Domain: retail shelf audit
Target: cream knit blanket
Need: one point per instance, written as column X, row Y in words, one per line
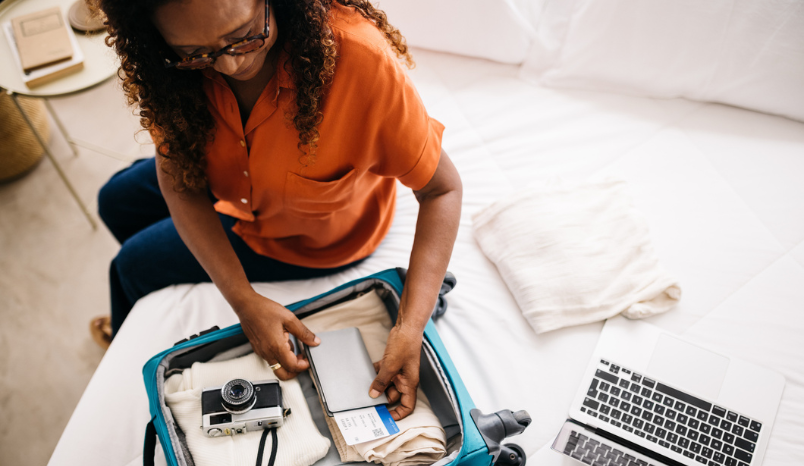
column 300, row 443
column 421, row 439
column 574, row 254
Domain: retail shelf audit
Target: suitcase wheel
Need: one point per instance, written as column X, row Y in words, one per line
column 511, row 454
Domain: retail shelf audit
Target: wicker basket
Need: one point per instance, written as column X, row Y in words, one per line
column 20, row 152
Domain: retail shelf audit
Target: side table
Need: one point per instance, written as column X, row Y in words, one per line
column 100, row 64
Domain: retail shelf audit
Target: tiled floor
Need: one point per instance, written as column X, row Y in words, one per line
column 54, row 275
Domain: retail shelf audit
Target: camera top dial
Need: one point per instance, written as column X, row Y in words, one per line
column 238, row 396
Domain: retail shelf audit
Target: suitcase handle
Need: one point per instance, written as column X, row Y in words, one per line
column 446, row 286
column 199, row 334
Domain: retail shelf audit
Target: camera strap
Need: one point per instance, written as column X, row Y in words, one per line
column 149, row 449
column 262, row 447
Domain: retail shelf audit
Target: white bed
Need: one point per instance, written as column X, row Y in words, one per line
column 722, row 189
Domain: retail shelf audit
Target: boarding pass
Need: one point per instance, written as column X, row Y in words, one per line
column 366, row 424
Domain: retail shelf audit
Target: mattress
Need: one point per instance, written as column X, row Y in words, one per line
column 720, row 187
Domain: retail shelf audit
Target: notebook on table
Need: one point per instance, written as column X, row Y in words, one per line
column 43, row 74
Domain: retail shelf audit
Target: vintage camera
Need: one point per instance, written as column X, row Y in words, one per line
column 240, row 406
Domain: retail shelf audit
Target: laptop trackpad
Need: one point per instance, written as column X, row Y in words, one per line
column 688, row 367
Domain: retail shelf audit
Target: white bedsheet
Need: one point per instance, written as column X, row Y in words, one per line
column 722, row 190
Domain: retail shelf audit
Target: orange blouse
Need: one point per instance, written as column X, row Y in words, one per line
column 374, row 131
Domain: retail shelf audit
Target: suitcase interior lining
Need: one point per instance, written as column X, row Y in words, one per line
column 433, row 381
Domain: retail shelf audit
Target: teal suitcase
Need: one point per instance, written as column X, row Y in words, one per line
column 474, row 438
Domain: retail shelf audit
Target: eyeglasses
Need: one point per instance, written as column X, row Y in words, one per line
column 204, row 60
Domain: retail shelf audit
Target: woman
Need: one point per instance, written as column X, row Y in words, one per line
column 281, row 129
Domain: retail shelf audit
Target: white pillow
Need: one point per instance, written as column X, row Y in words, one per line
column 491, row 29
column 748, row 53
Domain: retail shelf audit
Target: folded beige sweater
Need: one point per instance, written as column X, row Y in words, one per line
column 421, row 439
column 575, row 253
column 299, row 441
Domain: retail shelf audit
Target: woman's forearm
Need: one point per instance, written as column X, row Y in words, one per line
column 436, row 230
column 265, row 322
column 200, row 228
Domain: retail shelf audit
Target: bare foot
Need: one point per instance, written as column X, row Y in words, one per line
column 101, row 330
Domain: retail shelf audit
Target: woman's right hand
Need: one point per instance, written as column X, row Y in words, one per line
column 266, row 323
column 268, row 326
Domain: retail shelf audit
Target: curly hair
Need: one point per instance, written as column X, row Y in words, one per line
column 172, row 104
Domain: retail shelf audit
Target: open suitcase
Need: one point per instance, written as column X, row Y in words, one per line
column 473, row 438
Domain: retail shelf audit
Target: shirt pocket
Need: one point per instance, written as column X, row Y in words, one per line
column 308, row 198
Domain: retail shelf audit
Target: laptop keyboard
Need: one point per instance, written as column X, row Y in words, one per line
column 670, row 418
column 598, row 452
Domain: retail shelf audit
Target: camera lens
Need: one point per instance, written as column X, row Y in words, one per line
column 237, row 391
column 238, row 396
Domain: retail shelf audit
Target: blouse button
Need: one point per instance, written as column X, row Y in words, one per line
column 243, row 143
column 244, row 200
column 245, row 173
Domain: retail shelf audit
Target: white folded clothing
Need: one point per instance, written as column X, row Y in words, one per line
column 421, row 439
column 418, row 442
column 575, row 253
column 299, row 441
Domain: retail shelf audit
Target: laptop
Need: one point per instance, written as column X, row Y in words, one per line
column 651, row 398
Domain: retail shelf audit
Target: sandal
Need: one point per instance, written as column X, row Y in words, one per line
column 101, row 330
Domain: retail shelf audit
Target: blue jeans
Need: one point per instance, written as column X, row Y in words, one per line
column 153, row 256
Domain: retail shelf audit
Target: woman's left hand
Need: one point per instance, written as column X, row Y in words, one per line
column 398, row 371
column 436, row 230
